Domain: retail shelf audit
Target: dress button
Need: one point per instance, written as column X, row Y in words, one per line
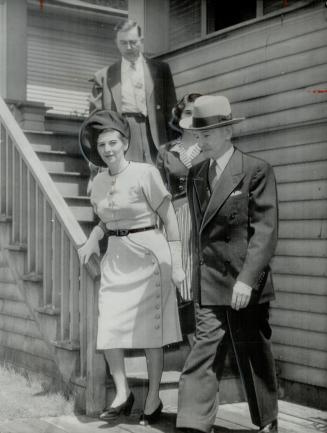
column 157, row 316
column 158, row 306
column 147, row 253
column 156, row 326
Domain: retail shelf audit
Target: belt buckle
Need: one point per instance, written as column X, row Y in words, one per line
column 122, row 232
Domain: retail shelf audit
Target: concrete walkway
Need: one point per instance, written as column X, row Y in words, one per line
column 231, row 418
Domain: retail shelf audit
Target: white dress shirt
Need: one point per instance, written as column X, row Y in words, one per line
column 221, row 163
column 133, row 95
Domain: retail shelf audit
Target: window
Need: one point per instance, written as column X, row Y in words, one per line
column 192, row 19
column 115, row 4
column 228, row 13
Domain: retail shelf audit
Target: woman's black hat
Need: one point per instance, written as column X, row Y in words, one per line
column 93, row 126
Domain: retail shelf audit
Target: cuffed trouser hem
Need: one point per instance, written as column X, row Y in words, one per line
column 182, row 422
column 268, row 420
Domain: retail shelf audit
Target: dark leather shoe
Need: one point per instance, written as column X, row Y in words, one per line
column 114, row 412
column 153, row 417
column 270, row 428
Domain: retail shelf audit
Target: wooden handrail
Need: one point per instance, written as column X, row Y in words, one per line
column 43, row 224
column 40, row 174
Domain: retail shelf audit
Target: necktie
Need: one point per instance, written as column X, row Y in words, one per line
column 213, row 174
column 138, row 88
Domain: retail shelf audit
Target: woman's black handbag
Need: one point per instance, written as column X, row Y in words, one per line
column 186, row 315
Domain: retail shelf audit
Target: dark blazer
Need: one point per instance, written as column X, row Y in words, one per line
column 234, row 229
column 160, row 95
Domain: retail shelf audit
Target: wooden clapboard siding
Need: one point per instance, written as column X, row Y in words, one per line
column 304, row 321
column 304, row 374
column 302, row 247
column 299, row 284
column 28, row 361
column 303, row 229
column 64, row 51
column 271, row 71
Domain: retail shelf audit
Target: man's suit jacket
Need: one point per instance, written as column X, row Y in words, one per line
column 160, row 95
column 234, row 229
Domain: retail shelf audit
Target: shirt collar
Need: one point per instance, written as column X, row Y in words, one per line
column 138, row 61
column 223, row 160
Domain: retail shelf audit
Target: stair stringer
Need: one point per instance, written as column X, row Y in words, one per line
column 66, row 359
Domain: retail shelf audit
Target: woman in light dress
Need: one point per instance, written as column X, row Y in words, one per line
column 139, row 271
column 174, row 161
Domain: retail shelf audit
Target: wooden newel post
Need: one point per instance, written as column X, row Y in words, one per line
column 95, row 363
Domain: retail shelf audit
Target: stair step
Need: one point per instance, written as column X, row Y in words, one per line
column 81, row 208
column 230, row 389
column 33, row 277
column 66, row 344
column 71, row 183
column 49, row 140
column 48, row 310
column 58, row 160
column 5, row 219
column 63, row 123
column 16, row 247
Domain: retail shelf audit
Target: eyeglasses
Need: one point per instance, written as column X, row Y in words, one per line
column 132, row 43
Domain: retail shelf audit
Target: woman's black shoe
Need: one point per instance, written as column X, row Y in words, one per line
column 114, row 412
column 153, row 417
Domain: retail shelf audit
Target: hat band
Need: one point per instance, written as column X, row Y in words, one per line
column 201, row 122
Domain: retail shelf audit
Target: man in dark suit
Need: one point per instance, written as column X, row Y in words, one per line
column 233, row 204
column 140, row 88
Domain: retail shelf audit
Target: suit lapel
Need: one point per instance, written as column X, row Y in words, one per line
column 114, row 83
column 228, row 181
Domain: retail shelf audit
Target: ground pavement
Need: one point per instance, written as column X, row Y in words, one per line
column 231, row 418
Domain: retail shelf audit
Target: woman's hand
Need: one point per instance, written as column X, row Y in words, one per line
column 177, row 272
column 178, row 276
column 91, row 246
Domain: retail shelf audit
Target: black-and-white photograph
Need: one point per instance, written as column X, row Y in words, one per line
column 163, row 216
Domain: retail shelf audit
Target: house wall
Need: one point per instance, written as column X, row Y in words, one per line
column 272, row 72
column 64, row 49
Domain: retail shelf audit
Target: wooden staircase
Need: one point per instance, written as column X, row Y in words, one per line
column 59, row 295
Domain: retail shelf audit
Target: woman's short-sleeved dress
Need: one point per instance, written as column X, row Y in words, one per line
column 137, row 300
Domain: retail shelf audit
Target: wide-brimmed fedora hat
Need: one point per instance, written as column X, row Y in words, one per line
column 210, row 112
column 100, row 121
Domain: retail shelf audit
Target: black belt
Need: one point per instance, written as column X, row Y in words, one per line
column 125, row 232
column 136, row 116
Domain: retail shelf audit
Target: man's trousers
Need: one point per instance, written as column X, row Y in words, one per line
column 250, row 334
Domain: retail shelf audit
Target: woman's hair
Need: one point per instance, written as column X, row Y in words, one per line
column 176, row 112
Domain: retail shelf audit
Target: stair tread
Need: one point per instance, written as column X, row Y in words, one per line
column 33, row 277
column 16, row 247
column 45, row 133
column 72, row 117
column 69, row 173
column 66, row 344
column 5, row 218
column 60, row 153
column 48, row 310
